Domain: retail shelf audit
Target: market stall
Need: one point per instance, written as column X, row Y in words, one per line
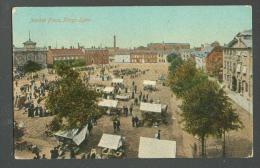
column 149, row 85
column 112, row 146
column 153, row 113
column 155, row 148
column 109, row 105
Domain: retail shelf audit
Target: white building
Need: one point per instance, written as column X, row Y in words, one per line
column 186, row 54
column 201, row 55
column 122, row 58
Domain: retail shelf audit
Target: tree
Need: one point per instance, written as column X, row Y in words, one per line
column 171, row 56
column 175, row 63
column 71, row 100
column 208, row 111
column 185, row 77
column 228, row 120
column 31, row 66
column 200, row 108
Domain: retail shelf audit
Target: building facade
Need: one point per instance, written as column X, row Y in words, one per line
column 200, row 56
column 143, row 56
column 168, row 46
column 29, row 52
column 214, row 63
column 96, row 56
column 186, row 54
column 237, row 64
column 64, row 54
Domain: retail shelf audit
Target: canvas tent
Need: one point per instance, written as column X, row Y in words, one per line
column 155, row 148
column 149, row 83
column 108, row 89
column 117, row 80
column 110, row 141
column 151, row 107
column 108, row 103
column 74, row 135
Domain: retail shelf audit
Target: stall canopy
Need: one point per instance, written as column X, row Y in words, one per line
column 108, row 89
column 110, row 141
column 117, row 80
column 151, row 107
column 155, row 148
column 149, row 83
column 108, row 103
column 122, row 97
column 74, row 134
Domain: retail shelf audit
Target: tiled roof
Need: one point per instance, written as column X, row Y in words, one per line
column 203, row 53
column 60, row 52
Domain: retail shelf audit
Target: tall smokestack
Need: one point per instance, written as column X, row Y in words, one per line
column 114, row 41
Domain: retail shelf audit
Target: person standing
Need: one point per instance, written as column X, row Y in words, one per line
column 118, row 125
column 158, row 136
column 136, row 122
column 131, row 108
column 44, row 156
column 114, row 126
column 133, row 121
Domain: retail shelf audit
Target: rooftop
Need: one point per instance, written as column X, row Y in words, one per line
column 65, row 51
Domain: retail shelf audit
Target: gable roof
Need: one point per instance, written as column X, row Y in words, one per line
column 245, row 37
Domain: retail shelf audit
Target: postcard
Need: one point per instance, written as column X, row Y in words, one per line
column 132, row 82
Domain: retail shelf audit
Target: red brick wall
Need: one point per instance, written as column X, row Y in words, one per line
column 96, row 56
column 213, row 60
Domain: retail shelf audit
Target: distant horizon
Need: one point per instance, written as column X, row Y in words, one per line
column 133, row 26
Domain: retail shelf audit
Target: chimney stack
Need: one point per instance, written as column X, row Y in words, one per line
column 114, row 41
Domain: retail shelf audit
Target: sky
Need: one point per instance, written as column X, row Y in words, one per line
column 133, row 26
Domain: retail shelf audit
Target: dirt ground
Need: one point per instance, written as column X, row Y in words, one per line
column 239, row 143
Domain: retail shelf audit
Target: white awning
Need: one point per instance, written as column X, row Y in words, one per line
column 108, row 89
column 73, row 134
column 155, row 148
column 80, row 137
column 110, row 141
column 151, row 107
column 238, row 67
column 117, row 80
column 108, row 103
column 149, row 83
column 69, row 134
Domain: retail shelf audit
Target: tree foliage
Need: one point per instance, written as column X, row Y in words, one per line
column 171, row 56
column 31, row 66
column 71, row 63
column 71, row 100
column 208, row 111
column 175, row 63
column 185, row 77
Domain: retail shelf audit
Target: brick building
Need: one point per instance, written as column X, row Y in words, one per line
column 168, row 46
column 214, row 63
column 96, row 56
column 64, row 54
column 143, row 56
